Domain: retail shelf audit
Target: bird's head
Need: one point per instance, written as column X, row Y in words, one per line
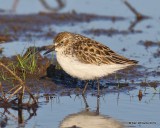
column 61, row 41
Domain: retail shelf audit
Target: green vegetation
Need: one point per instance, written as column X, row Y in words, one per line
column 27, row 63
column 22, row 65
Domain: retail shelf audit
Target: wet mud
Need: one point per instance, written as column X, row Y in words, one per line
column 20, row 27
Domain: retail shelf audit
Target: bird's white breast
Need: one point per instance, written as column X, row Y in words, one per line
column 83, row 71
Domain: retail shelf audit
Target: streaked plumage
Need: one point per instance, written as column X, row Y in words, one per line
column 87, row 59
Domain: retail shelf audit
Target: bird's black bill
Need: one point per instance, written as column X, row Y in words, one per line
column 50, row 50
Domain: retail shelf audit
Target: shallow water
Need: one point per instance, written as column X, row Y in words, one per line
column 115, row 108
column 110, row 7
column 123, row 105
column 147, row 30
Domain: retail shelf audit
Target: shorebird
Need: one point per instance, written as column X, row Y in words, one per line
column 85, row 58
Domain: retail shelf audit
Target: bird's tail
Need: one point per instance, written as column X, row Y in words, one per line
column 133, row 61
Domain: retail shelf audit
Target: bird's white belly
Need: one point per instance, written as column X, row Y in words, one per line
column 84, row 71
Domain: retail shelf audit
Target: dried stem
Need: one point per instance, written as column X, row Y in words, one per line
column 19, row 79
column 14, row 93
column 22, row 84
column 1, row 89
column 15, row 87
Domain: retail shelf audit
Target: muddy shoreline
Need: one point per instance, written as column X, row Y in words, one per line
column 20, row 27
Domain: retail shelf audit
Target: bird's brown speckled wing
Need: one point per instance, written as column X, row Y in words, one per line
column 92, row 52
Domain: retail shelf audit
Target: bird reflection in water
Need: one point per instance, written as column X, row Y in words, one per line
column 89, row 119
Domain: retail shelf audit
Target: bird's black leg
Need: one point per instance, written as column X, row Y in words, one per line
column 98, row 100
column 85, row 102
column 84, row 90
column 98, row 93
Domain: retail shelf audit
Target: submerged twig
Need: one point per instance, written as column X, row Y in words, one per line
column 61, row 4
column 139, row 16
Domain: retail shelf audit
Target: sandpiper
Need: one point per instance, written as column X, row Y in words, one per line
column 87, row 59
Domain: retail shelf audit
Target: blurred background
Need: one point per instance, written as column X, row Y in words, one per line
column 103, row 7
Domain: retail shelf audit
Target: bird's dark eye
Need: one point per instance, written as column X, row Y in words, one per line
column 61, row 42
